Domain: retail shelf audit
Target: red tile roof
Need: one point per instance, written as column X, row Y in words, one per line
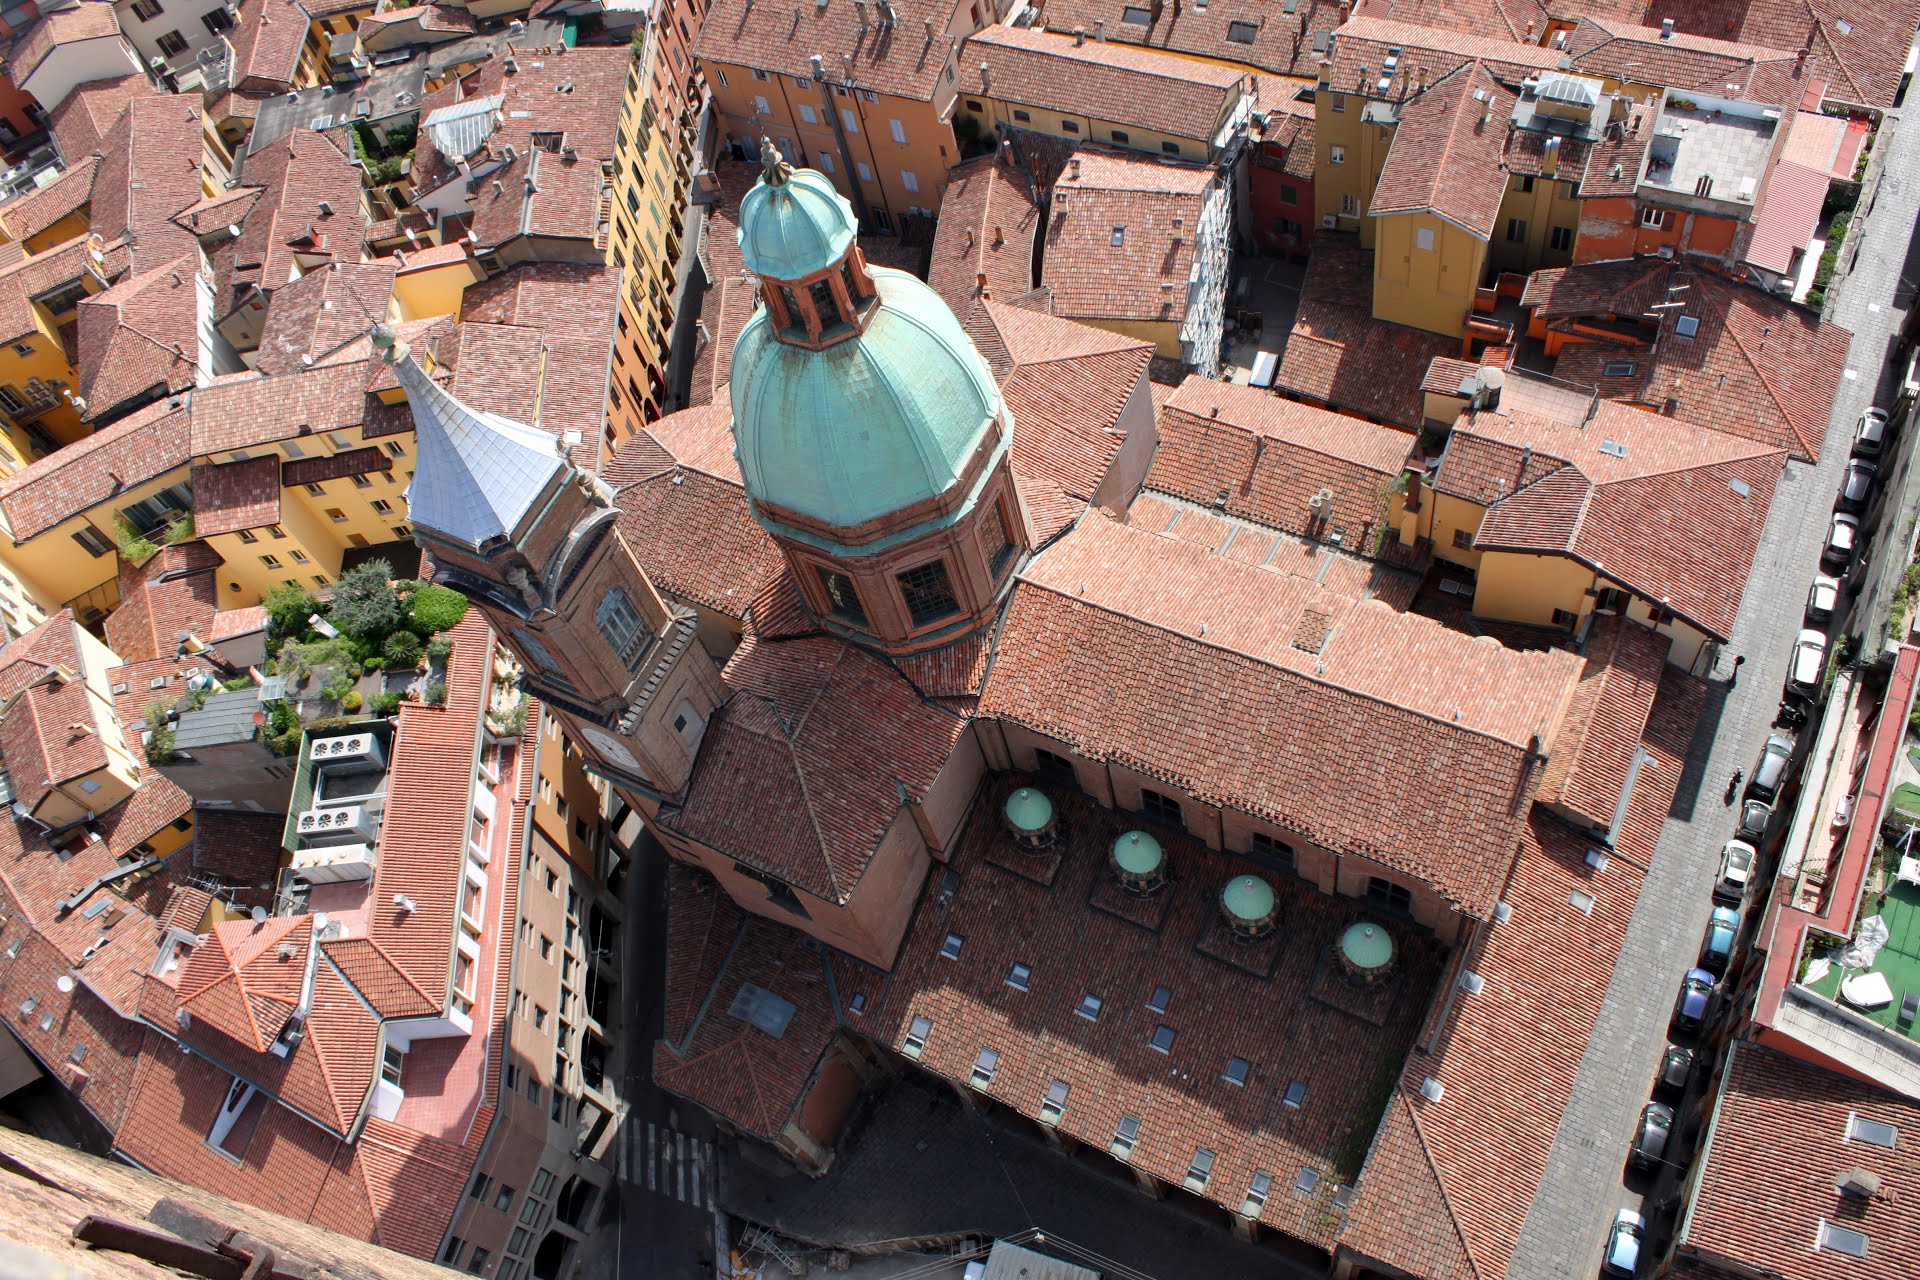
column 1520, row 20
column 140, row 339
column 1287, row 44
column 150, row 171
column 729, row 302
column 1446, row 153
column 1269, row 457
column 1643, row 55
column 892, row 61
column 323, row 311
column 1757, row 367
column 1788, row 215
column 578, row 299
column 83, row 119
column 267, row 38
column 1176, row 96
column 241, row 848
column 1362, row 45
column 87, row 20
column 1587, row 776
column 1138, row 625
column 1425, row 1204
column 236, row 495
column 1768, row 1165
column 1676, row 515
column 1864, row 62
column 1158, row 208
column 988, row 225
column 297, row 175
column 800, row 772
column 174, row 591
column 37, row 210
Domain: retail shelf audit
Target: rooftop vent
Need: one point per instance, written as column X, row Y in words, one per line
column 1860, row 1184
column 1472, row 983
column 1432, row 1090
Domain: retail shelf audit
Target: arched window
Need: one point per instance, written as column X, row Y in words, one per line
column 825, row 305
column 620, row 625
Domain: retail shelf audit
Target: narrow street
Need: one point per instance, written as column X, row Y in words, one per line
column 1582, row 1187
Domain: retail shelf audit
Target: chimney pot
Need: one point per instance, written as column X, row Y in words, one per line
column 1666, row 28
column 1079, row 36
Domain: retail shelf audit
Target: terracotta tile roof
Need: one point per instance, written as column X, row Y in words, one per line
column 684, row 512
column 892, row 61
column 957, row 670
column 323, row 311
column 1768, row 1165
column 1294, row 132
column 1663, row 514
column 86, row 20
column 1362, row 45
column 142, row 445
column 1613, row 163
column 288, row 228
column 245, row 980
column 1340, row 356
column 1140, row 88
column 1066, row 386
column 800, row 771
column 414, row 1182
column 1293, row 1029
column 588, row 114
column 1864, row 62
column 104, row 1085
column 1757, row 367
column 1269, row 457
column 140, row 339
column 149, row 171
column 1506, row 1072
column 212, row 213
column 24, row 279
column 538, row 194
column 574, row 298
column 431, row 17
column 267, row 37
column 228, row 623
column 1789, row 213
column 1725, row 68
column 717, row 1060
column 242, row 848
column 236, row 495
column 81, row 122
column 1138, row 627
column 1145, row 277
column 1283, row 43
column 51, row 737
column 251, row 409
column 429, row 792
column 730, row 299
column 554, row 381
column 1520, row 20
column 1602, row 731
column 37, row 210
column 173, row 591
column 375, row 976
column 988, row 226
column 1446, row 153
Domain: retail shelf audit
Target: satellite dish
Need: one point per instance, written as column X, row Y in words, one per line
column 259, row 915
column 65, row 983
column 320, row 922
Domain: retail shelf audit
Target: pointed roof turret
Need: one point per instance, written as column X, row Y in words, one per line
column 478, row 473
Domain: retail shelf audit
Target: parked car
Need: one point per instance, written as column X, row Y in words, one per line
column 1772, row 769
column 1809, row 662
column 1856, row 489
column 1843, row 539
column 1736, row 871
column 1696, row 992
column 1650, row 1139
column 1754, row 817
column 1843, row 813
column 1622, row 1257
column 1716, row 949
column 1870, row 433
column 1676, row 1068
column 1823, row 598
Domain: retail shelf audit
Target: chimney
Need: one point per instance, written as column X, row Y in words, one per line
column 1079, row 36
column 999, row 236
column 1346, row 11
column 1073, row 168
column 980, row 284
column 1799, row 62
column 1550, row 158
column 969, row 247
column 986, row 81
column 1100, row 30
column 1413, row 490
column 1666, row 28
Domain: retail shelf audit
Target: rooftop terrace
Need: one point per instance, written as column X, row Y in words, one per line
column 1715, row 148
column 1898, row 961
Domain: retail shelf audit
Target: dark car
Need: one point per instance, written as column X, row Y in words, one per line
column 1696, row 993
column 1716, row 949
column 1771, row 771
column 1650, row 1139
column 1754, row 816
column 1676, row 1067
column 1856, row 489
column 1622, row 1257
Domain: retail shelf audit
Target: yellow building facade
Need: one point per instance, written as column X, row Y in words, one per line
column 1425, row 271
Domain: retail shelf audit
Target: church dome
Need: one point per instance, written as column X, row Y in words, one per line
column 796, row 227
column 874, row 424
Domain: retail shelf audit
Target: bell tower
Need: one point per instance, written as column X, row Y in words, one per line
column 512, row 524
column 871, row 435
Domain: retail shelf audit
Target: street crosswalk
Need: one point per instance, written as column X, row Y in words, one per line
column 668, row 1162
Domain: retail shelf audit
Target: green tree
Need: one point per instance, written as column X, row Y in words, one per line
column 365, row 604
column 290, row 605
column 402, row 651
column 437, row 609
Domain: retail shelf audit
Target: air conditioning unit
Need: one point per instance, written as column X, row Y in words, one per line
column 362, row 750
column 330, row 864
column 338, row 824
column 1329, row 222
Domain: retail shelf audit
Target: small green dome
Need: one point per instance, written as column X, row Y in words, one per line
column 1029, row 810
column 1138, row 853
column 1248, row 898
column 795, row 228
column 1367, row 945
column 874, row 424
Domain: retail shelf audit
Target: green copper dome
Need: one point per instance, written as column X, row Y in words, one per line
column 1138, row 852
column 795, row 227
column 1029, row 810
column 871, row 425
column 1248, row 898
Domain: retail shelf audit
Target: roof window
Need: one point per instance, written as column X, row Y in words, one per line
column 1613, row 448
column 1162, row 1039
column 1090, row 1006
column 1200, row 1170
column 917, row 1034
column 763, row 1009
column 1257, row 1193
column 1119, row 237
column 1296, row 1094
column 1162, row 997
column 1617, row 369
column 1236, row 1072
column 1581, row 902
column 1687, row 326
column 1878, row 1132
column 1055, row 1102
column 1125, row 1137
column 1835, row 1239
column 1137, row 14
column 1018, row 975
column 1307, row 1181
column 984, row 1068
column 950, row 949
column 1241, row 32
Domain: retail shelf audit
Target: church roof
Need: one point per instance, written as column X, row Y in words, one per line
column 478, row 473
column 795, row 227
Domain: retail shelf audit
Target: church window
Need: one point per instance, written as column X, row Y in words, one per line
column 825, row 304
column 928, row 592
column 620, row 626
column 846, row 278
column 534, row 651
column 793, row 308
column 998, row 541
column 843, row 600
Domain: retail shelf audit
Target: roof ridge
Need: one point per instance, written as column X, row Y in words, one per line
column 1439, row 1183
column 1772, row 394
column 806, row 792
